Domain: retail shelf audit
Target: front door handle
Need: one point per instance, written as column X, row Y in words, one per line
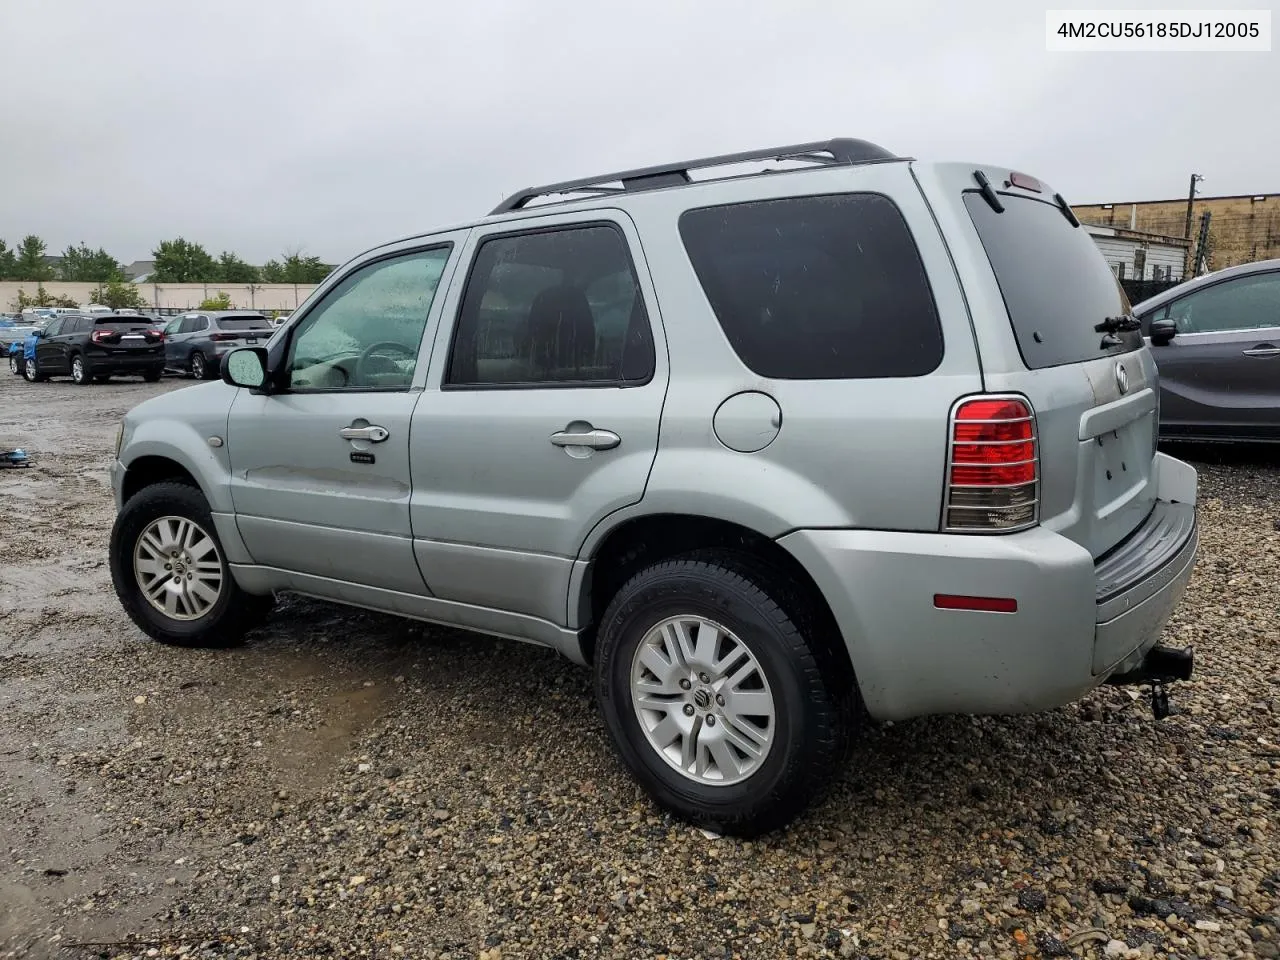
column 372, row 433
column 1263, row 350
column 595, row 439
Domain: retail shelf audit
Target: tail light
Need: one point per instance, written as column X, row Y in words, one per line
column 993, row 467
column 222, row 337
column 154, row 335
column 105, row 336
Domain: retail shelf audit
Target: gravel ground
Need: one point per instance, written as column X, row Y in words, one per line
column 350, row 785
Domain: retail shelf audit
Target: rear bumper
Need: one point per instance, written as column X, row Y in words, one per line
column 1076, row 621
column 114, row 363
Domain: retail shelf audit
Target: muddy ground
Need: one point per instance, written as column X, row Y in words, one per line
column 353, row 785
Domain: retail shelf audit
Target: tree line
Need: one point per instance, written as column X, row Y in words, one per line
column 177, row 261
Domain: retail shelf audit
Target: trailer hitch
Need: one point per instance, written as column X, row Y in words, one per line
column 1160, row 667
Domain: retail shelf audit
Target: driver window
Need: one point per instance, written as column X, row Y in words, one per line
column 366, row 333
column 1245, row 303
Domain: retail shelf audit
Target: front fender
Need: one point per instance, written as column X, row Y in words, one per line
column 189, row 428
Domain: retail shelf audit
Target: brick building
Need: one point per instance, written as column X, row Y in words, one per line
column 1242, row 228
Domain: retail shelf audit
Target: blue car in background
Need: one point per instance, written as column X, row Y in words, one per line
column 20, row 351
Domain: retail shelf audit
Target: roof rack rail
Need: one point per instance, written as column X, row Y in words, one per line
column 839, row 151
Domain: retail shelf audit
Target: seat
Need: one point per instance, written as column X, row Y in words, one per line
column 561, row 333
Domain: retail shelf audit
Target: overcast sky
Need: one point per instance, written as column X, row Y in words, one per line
column 272, row 125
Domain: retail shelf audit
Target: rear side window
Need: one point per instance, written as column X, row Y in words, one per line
column 1056, row 285
column 243, row 323
column 817, row 288
column 553, row 307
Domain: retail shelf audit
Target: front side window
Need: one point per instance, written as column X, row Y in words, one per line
column 1246, row 303
column 173, row 327
column 816, row 288
column 554, row 307
column 366, row 333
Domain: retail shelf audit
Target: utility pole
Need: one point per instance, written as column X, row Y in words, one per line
column 1191, row 199
column 1202, row 247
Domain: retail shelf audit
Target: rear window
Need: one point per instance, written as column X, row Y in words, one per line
column 243, row 323
column 122, row 323
column 817, row 288
column 1055, row 283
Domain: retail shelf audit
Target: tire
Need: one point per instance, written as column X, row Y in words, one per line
column 80, row 373
column 152, row 376
column 30, row 375
column 811, row 697
column 200, row 622
column 199, row 366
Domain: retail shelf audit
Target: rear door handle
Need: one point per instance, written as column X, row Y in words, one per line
column 372, row 433
column 595, row 439
column 1263, row 350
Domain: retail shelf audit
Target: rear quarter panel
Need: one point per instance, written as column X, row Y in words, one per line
column 866, row 453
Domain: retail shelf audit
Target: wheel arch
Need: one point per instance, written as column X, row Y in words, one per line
column 150, row 469
column 639, row 541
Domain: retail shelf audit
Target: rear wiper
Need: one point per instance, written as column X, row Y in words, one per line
column 1121, row 324
column 988, row 192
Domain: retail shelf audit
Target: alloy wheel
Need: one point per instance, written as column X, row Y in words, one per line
column 702, row 700
column 178, row 568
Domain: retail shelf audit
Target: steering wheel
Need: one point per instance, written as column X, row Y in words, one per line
column 367, row 354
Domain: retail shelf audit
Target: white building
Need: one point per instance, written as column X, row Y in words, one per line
column 1134, row 255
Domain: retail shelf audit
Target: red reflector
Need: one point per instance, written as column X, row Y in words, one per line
column 1025, row 182
column 950, row 601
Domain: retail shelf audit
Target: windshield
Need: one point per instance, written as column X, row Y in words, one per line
column 1055, row 283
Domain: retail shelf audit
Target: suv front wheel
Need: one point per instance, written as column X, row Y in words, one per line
column 715, row 699
column 170, row 571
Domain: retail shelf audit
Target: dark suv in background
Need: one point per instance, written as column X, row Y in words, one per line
column 96, row 348
column 195, row 342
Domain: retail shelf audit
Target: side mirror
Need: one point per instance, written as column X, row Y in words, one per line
column 246, row 367
column 1162, row 331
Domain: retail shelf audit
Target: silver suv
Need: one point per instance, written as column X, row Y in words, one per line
column 772, row 452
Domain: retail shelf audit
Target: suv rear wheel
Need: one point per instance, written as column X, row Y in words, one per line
column 170, row 571
column 716, row 701
column 29, row 373
column 199, row 366
column 80, row 371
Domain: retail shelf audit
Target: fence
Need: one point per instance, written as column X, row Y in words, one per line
column 169, row 297
column 1139, row 290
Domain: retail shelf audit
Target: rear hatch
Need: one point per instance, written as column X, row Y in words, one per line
column 1044, row 305
column 126, row 336
column 246, row 330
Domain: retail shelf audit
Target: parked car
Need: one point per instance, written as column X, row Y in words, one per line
column 196, row 342
column 770, row 453
column 95, row 348
column 280, row 319
column 1216, row 340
